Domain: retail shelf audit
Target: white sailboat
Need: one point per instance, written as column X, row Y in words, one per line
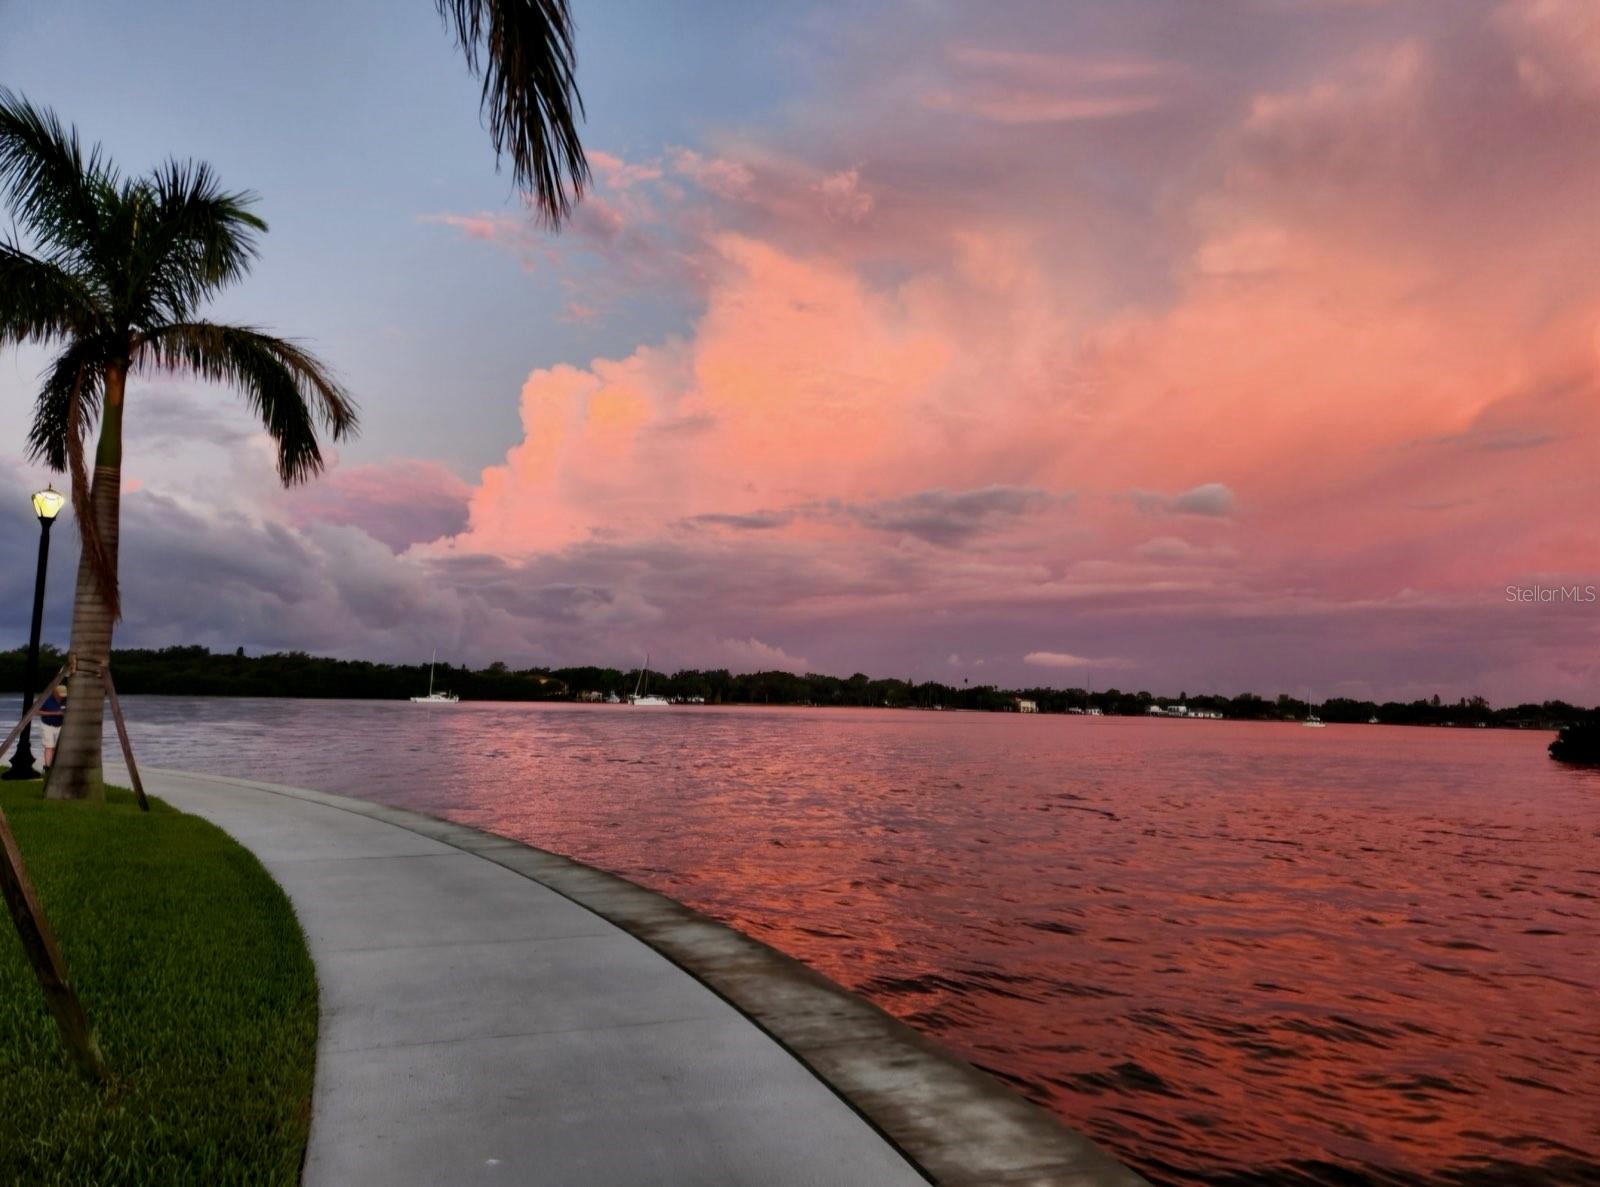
column 1312, row 721
column 435, row 698
column 641, row 698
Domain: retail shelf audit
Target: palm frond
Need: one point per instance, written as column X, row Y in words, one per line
column 68, row 404
column 197, row 238
column 41, row 300
column 524, row 51
column 288, row 387
column 56, row 191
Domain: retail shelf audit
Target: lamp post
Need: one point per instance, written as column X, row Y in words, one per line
column 47, row 505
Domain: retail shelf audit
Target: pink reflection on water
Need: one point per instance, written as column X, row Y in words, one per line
column 1233, row 952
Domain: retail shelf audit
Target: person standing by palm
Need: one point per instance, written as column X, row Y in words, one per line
column 51, row 715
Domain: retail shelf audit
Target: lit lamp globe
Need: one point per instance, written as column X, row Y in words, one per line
column 47, row 504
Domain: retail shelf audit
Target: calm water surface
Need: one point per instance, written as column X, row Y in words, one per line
column 1232, row 952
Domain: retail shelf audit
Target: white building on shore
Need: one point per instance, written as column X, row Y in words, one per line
column 1183, row 711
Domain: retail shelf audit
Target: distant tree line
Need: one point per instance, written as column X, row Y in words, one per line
column 197, row 671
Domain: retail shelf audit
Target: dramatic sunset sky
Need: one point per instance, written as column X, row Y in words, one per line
column 1179, row 344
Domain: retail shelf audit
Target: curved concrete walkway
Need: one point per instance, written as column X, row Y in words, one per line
column 480, row 1026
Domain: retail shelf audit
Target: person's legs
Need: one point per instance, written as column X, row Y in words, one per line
column 51, row 734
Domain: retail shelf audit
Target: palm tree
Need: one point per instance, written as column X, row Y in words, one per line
column 530, row 96
column 114, row 273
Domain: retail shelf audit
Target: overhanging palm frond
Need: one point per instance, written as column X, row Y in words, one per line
column 199, row 238
column 41, row 300
column 287, row 386
column 530, row 94
column 55, row 190
column 68, row 404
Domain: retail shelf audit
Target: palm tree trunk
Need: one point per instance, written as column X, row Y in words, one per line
column 77, row 773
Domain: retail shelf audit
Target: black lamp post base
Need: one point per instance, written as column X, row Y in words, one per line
column 21, row 768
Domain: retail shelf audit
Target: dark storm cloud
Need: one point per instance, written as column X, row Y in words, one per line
column 1209, row 499
column 951, row 518
column 754, row 521
column 940, row 517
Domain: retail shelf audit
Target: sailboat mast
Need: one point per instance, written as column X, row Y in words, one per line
column 431, row 662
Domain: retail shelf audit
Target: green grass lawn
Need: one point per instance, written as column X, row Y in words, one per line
column 195, row 974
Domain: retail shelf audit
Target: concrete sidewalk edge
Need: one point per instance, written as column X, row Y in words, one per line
column 958, row 1125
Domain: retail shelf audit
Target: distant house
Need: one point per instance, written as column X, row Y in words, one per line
column 1183, row 711
column 1026, row 706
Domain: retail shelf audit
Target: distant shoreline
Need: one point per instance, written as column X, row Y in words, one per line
column 198, row 672
column 1451, row 725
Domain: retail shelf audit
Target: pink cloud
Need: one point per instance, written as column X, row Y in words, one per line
column 489, row 228
column 843, row 196
column 721, row 176
column 1050, row 68
column 596, row 218
column 1557, row 45
column 618, row 174
column 1062, row 659
column 754, row 655
column 1025, row 108
column 1030, row 87
column 400, row 503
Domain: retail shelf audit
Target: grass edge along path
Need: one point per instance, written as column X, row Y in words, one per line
column 194, row 971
